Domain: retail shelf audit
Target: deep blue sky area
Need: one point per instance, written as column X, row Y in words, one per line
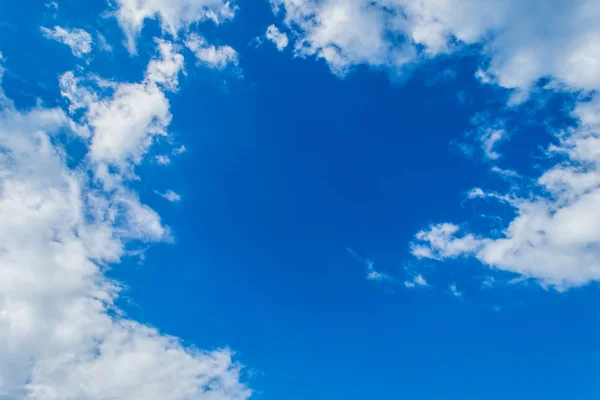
column 288, row 167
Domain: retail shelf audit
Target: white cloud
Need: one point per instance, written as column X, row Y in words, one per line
column 72, row 90
column 279, row 39
column 128, row 122
column 165, row 70
column 416, row 281
column 555, row 235
column 179, row 150
column 174, row 15
column 210, row 55
column 77, row 39
column 441, row 242
column 489, row 138
column 62, row 336
column 170, row 196
column 372, row 273
column 454, row 290
column 163, row 160
column 103, row 43
column 51, row 5
column 392, row 33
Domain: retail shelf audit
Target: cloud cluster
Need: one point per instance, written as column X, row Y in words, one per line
column 210, row 55
column 517, row 43
column 278, row 38
column 174, row 15
column 170, row 195
column 554, row 235
column 60, row 226
column 77, row 39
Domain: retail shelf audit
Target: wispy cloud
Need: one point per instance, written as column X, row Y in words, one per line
column 169, row 195
column 77, row 39
column 454, row 290
column 372, row 273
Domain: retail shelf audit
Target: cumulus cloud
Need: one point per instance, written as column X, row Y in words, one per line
column 174, row 15
column 169, row 195
column 555, row 235
column 279, row 39
column 161, row 159
column 439, row 242
column 77, row 39
column 62, row 336
column 129, row 120
column 393, row 33
column 417, row 281
column 210, row 55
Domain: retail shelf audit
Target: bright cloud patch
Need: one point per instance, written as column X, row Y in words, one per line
column 417, row 281
column 62, row 335
column 279, row 39
column 210, row 55
column 170, row 195
column 392, row 33
column 126, row 123
column 555, row 236
column 173, row 15
column 77, row 39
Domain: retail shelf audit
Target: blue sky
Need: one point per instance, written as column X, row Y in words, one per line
column 336, row 199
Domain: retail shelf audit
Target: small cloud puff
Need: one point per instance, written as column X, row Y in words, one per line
column 454, row 290
column 170, row 196
column 416, row 281
column 162, row 160
column 77, row 39
column 211, row 55
column 279, row 39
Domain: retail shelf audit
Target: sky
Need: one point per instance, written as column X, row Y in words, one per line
column 299, row 199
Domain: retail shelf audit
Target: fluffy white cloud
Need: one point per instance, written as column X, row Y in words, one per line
column 418, row 280
column 555, row 235
column 71, row 89
column 210, row 55
column 392, row 33
column 169, row 195
column 174, row 15
column 125, row 124
column 77, row 39
column 279, row 39
column 61, row 335
column 441, row 243
column 161, row 159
